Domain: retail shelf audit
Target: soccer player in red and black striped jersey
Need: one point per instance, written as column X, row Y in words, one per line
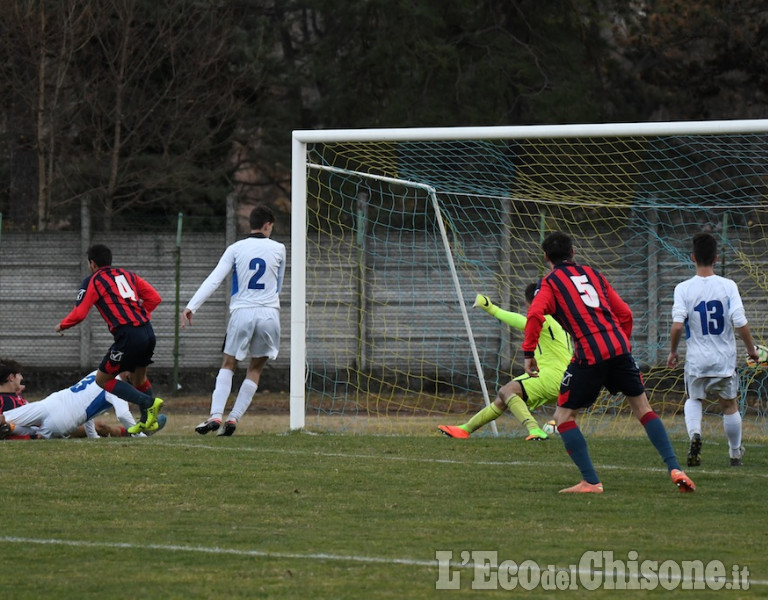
column 125, row 301
column 600, row 323
column 11, row 387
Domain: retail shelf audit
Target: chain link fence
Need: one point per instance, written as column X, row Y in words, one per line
column 40, row 275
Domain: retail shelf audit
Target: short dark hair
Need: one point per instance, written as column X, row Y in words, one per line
column 8, row 367
column 558, row 247
column 259, row 216
column 100, row 254
column 704, row 248
column 530, row 291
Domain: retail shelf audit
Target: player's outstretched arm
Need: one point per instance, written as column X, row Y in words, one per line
column 512, row 319
column 485, row 303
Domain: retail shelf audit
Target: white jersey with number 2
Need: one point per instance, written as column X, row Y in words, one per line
column 257, row 265
column 710, row 307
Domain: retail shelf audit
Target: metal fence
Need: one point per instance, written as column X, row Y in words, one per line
column 40, row 275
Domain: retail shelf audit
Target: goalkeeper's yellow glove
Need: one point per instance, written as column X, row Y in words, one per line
column 484, row 303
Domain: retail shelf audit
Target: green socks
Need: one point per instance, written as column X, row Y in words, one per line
column 492, row 412
column 483, row 417
column 518, row 408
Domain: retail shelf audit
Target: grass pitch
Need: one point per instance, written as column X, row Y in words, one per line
column 274, row 515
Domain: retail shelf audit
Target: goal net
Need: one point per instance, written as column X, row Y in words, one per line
column 395, row 232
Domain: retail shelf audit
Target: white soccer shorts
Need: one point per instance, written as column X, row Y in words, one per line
column 712, row 388
column 253, row 332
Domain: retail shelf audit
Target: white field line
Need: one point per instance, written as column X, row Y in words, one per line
column 219, row 550
column 452, row 461
column 324, row 556
column 347, row 558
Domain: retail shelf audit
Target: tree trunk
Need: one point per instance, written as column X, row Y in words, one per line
column 23, row 167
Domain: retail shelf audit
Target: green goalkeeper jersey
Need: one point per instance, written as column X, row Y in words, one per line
column 555, row 348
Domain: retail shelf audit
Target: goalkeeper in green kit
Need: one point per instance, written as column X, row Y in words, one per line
column 524, row 392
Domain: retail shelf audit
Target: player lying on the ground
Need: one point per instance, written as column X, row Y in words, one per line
column 11, row 389
column 524, row 392
column 63, row 412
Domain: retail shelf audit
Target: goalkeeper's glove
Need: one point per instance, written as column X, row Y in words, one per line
column 484, row 303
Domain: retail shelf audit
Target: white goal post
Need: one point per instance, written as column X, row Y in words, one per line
column 610, row 185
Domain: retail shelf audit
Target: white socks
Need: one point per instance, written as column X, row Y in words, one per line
column 243, row 401
column 221, row 393
column 732, row 426
column 692, row 410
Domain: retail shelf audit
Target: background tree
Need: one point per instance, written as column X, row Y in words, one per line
column 147, row 108
column 680, row 60
column 136, row 102
column 37, row 46
column 443, row 62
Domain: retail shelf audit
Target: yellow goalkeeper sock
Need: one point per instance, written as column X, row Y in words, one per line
column 518, row 408
column 483, row 417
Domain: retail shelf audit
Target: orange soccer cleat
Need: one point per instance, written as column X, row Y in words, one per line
column 682, row 481
column 584, row 487
column 453, row 431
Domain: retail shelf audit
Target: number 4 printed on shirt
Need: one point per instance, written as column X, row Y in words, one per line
column 123, row 288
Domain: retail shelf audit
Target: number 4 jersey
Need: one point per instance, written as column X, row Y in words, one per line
column 120, row 296
column 710, row 308
column 257, row 265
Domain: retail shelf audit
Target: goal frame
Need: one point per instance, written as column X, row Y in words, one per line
column 299, row 170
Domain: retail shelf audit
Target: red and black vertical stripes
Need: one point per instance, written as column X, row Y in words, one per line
column 118, row 298
column 591, row 311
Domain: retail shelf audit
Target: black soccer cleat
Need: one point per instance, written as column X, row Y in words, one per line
column 694, row 451
column 6, row 429
column 228, row 429
column 736, row 460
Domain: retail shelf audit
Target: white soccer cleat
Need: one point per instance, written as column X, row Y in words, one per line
column 208, row 425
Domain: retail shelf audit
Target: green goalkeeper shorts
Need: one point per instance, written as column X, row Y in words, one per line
column 543, row 389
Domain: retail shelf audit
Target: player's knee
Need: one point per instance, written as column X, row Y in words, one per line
column 108, row 385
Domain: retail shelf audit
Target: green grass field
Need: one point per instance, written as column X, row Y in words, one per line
column 272, row 515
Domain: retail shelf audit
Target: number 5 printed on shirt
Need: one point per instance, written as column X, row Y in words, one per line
column 587, row 292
